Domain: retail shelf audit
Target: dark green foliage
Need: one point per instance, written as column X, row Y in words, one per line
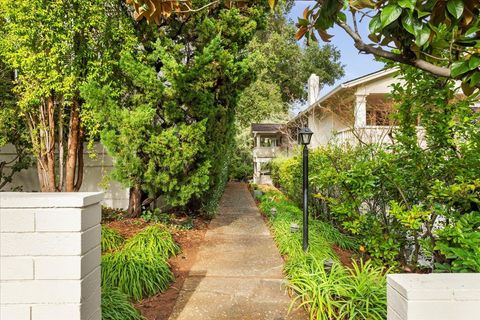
column 13, row 130
column 112, row 214
column 459, row 242
column 116, row 306
column 156, row 215
column 395, row 198
column 167, row 115
column 155, row 241
column 135, row 273
column 111, row 239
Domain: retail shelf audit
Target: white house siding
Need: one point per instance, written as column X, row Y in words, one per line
column 94, row 180
column 324, row 127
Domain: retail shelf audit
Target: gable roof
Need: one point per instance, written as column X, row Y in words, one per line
column 266, row 127
column 346, row 85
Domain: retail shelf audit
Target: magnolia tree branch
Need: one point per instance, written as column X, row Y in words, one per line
column 419, row 63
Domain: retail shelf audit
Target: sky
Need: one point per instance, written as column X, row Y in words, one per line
column 356, row 64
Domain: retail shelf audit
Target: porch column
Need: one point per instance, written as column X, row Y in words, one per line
column 360, row 110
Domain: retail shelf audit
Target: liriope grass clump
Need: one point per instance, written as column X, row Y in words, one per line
column 135, row 273
column 336, row 292
column 333, row 235
column 111, row 239
column 154, row 240
column 116, row 305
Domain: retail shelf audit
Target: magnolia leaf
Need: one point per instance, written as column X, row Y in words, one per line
column 408, row 4
column 422, row 36
column 422, row 14
column 342, row 16
column 374, row 37
column 459, row 68
column 301, row 32
column 467, row 90
column 306, row 12
column 375, row 24
column 455, row 7
column 272, row 3
column 407, row 23
column 324, row 35
column 389, row 14
column 362, row 4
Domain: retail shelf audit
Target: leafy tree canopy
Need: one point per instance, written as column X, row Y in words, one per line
column 438, row 36
column 283, row 66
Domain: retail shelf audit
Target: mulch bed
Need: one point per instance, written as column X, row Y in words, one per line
column 160, row 306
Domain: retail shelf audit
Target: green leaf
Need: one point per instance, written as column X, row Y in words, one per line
column 407, row 22
column 455, row 7
column 389, row 14
column 374, row 24
column 459, row 68
column 475, row 79
column 474, row 62
column 341, row 16
column 422, row 36
column 408, row 4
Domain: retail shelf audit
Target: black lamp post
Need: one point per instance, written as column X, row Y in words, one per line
column 305, row 137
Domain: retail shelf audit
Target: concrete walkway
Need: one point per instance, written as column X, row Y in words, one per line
column 238, row 272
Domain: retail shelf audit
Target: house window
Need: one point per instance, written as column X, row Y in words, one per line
column 267, row 142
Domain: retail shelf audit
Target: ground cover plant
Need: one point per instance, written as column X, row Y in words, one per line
column 134, row 268
column 154, row 240
column 319, row 281
column 111, row 239
column 116, row 306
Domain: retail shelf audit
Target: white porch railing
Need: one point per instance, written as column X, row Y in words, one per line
column 368, row 134
column 266, row 152
column 371, row 135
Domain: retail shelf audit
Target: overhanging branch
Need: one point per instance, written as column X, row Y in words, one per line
column 418, row 63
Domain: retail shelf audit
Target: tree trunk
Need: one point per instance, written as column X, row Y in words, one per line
column 134, row 202
column 79, row 179
column 50, row 143
column 72, row 147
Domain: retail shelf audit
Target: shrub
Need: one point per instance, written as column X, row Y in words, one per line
column 396, row 197
column 154, row 240
column 111, row 239
column 460, row 243
column 116, row 306
column 136, row 274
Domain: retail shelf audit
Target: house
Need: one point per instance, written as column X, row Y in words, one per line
column 355, row 111
column 270, row 141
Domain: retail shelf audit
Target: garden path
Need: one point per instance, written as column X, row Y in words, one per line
column 238, row 272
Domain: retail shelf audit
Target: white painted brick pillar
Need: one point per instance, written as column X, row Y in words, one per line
column 360, row 110
column 50, row 256
column 436, row 296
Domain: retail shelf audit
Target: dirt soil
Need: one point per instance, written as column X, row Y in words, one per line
column 128, row 227
column 160, row 306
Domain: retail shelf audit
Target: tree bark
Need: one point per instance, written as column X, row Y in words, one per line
column 79, row 179
column 134, row 202
column 72, row 147
column 50, row 143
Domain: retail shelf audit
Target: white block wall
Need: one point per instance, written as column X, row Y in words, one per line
column 95, row 174
column 437, row 296
column 50, row 256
